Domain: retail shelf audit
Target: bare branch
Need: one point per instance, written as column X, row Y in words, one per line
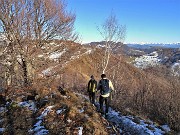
column 30, row 24
column 111, row 32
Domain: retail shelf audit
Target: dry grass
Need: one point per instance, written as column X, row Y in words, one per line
column 78, row 112
column 152, row 93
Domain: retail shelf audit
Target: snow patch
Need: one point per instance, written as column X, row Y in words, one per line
column 176, row 68
column 81, row 110
column 166, row 128
column 88, row 51
column 29, row 104
column 45, row 112
column 69, row 121
column 54, row 44
column 101, row 46
column 2, row 130
column 80, row 130
column 128, row 126
column 148, row 60
column 2, row 109
column 37, row 128
column 40, row 56
column 56, row 55
column 47, row 71
column 60, row 111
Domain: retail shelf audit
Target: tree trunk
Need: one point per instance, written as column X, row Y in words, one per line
column 25, row 73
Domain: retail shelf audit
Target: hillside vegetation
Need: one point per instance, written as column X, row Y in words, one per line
column 152, row 93
column 53, row 113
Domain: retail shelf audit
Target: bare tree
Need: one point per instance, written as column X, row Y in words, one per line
column 29, row 24
column 112, row 32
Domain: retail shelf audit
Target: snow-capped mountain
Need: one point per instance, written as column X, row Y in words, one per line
column 150, row 45
column 148, row 54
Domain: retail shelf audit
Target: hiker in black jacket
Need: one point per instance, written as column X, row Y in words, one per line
column 106, row 87
column 92, row 86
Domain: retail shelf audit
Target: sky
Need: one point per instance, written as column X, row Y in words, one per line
column 146, row 21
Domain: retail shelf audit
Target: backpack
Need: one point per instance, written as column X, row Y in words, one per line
column 104, row 87
column 92, row 85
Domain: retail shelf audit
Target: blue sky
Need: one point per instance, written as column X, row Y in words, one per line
column 145, row 20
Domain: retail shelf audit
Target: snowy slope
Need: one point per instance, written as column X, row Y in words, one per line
column 55, row 56
column 148, row 60
column 132, row 125
column 176, row 68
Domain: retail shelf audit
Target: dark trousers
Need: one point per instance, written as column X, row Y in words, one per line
column 101, row 102
column 92, row 97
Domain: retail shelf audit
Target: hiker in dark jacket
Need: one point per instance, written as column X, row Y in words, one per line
column 106, row 87
column 92, row 86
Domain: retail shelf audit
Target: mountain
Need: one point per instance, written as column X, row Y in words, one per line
column 148, row 55
column 139, row 93
column 151, row 45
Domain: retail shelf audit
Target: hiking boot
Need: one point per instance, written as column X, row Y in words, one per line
column 106, row 115
column 102, row 112
column 103, row 115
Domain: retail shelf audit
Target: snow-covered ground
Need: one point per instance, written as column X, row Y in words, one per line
column 151, row 60
column 47, row 71
column 29, row 104
column 56, row 55
column 125, row 125
column 131, row 125
column 176, row 68
column 38, row 129
column 78, row 54
column 148, row 60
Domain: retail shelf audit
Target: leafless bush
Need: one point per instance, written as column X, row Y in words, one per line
column 147, row 93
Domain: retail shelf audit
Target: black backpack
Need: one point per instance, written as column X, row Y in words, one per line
column 104, row 86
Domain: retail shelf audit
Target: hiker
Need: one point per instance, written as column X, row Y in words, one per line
column 92, row 86
column 106, row 87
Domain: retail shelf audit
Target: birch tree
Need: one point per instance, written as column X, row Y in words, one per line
column 112, row 32
column 29, row 24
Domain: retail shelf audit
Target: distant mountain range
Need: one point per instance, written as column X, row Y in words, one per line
column 141, row 45
column 150, row 45
column 148, row 54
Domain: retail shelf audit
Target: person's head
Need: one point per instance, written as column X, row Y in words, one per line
column 92, row 77
column 103, row 76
